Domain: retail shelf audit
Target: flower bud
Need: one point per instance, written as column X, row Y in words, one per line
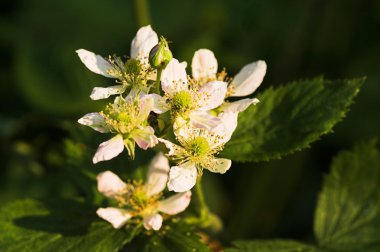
column 160, row 55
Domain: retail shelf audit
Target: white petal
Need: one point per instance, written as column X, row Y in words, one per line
column 159, row 105
column 175, row 204
column 229, row 117
column 238, row 106
column 204, row 65
column 203, row 119
column 109, row 184
column 219, row 165
column 95, row 121
column 143, row 42
column 173, row 148
column 183, row 177
column 184, row 64
column 116, row 216
column 153, row 221
column 249, row 78
column 99, row 93
column 227, row 127
column 213, row 94
column 174, row 78
column 109, row 149
column 182, row 128
column 145, row 137
column 157, row 175
column 95, row 63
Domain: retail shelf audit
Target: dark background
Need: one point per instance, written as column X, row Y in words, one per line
column 44, row 90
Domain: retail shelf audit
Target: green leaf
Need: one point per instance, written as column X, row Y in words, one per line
column 271, row 246
column 289, row 118
column 348, row 210
column 65, row 225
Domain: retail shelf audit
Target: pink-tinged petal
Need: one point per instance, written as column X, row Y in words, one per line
column 249, row 78
column 95, row 121
column 212, row 95
column 153, row 221
column 219, row 165
column 203, row 119
column 99, row 93
column 116, row 216
column 110, row 185
column 182, row 177
column 204, row 65
column 175, row 204
column 95, row 63
column 143, row 42
column 173, row 148
column 238, row 106
column 145, row 137
column 157, row 175
column 146, row 105
column 174, row 78
column 159, row 105
column 109, row 149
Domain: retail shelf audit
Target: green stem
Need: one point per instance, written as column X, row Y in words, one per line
column 158, row 81
column 206, row 219
column 203, row 208
column 142, row 12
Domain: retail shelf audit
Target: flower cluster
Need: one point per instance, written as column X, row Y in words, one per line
column 158, row 102
column 136, row 199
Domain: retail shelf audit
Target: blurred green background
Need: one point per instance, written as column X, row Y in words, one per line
column 45, row 89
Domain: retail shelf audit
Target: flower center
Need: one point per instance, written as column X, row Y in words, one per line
column 181, row 101
column 123, row 117
column 199, row 146
column 139, row 199
column 132, row 66
column 135, row 198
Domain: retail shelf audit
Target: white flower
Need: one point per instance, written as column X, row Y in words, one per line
column 126, row 117
column 141, row 45
column 204, row 68
column 186, row 101
column 197, row 150
column 141, row 200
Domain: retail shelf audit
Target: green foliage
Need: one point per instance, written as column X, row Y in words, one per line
column 46, row 70
column 348, row 211
column 63, row 225
column 271, row 246
column 67, row 225
column 290, row 117
column 173, row 236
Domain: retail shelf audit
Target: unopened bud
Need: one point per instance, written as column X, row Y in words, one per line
column 160, row 55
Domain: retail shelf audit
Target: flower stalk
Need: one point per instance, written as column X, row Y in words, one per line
column 203, row 209
column 158, row 81
column 142, row 12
